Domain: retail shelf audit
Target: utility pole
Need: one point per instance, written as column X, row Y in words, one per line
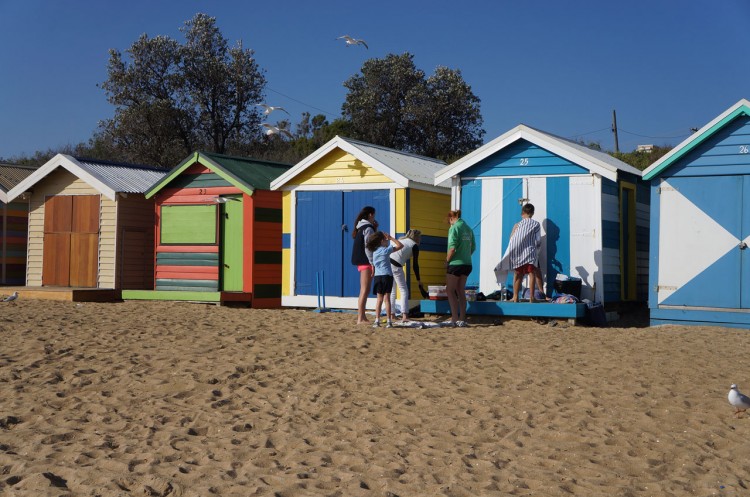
column 614, row 130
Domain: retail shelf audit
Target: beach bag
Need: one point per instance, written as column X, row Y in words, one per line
column 595, row 315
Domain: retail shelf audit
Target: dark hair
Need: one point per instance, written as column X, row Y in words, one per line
column 363, row 214
column 456, row 213
column 375, row 240
column 528, row 209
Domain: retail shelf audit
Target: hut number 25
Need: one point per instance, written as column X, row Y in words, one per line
column 744, row 149
column 524, row 161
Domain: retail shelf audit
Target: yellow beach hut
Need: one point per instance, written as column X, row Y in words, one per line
column 321, row 197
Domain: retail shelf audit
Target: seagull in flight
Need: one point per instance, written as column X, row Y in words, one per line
column 275, row 130
column 740, row 401
column 11, row 298
column 270, row 108
column 353, row 41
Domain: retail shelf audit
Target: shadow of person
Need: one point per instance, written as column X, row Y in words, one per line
column 550, row 240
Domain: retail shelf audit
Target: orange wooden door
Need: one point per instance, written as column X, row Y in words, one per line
column 56, row 263
column 71, row 240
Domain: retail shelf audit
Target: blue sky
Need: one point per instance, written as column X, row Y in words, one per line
column 561, row 66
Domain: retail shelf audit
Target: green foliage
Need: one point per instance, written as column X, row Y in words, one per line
column 391, row 103
column 642, row 160
column 171, row 99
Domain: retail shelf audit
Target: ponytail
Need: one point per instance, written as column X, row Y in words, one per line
column 363, row 214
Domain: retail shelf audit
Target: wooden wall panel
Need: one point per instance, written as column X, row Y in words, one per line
column 85, row 217
column 59, row 213
column 84, row 259
column 56, row 267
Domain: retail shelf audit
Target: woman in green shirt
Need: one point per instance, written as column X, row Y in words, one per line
column 458, row 265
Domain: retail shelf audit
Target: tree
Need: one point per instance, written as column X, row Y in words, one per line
column 642, row 160
column 173, row 98
column 391, row 103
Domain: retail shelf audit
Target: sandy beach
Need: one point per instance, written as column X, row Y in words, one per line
column 170, row 399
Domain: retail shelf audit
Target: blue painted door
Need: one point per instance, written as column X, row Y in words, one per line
column 324, row 224
column 702, row 225
column 353, row 203
column 745, row 253
column 318, row 242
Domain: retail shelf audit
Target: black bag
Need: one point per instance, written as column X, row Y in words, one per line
column 595, row 315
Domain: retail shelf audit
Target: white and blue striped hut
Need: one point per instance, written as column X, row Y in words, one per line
column 700, row 226
column 593, row 208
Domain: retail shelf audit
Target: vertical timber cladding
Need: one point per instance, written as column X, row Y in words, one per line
column 71, row 240
column 263, row 244
column 14, row 237
column 135, row 243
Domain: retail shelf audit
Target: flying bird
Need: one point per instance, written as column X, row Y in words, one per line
column 740, row 401
column 11, row 298
column 353, row 41
column 270, row 108
column 275, row 130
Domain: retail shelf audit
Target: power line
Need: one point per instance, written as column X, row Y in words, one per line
column 589, row 132
column 301, row 102
column 648, row 136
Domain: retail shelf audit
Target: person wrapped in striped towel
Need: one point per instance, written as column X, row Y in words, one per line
column 523, row 253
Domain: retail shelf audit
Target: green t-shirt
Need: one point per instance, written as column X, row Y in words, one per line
column 461, row 238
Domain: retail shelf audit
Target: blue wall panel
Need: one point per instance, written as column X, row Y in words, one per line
column 726, row 152
column 611, row 235
column 557, row 228
column 523, row 158
column 471, row 213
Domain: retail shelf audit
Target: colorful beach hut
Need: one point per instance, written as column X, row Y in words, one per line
column 700, row 227
column 218, row 232
column 89, row 223
column 322, row 196
column 14, row 222
column 592, row 207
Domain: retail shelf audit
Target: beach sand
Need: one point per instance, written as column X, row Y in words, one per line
column 170, row 399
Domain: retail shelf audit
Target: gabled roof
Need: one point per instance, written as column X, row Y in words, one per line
column 10, row 176
column 740, row 108
column 405, row 169
column 593, row 160
column 109, row 178
column 244, row 173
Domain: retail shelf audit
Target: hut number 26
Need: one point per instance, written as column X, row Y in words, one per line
column 744, row 149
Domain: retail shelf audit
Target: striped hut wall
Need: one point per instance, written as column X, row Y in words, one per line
column 488, row 233
column 265, row 236
column 189, row 266
column 339, row 167
column 13, row 241
column 585, row 252
column 611, row 240
column 62, row 182
column 427, row 212
column 643, row 235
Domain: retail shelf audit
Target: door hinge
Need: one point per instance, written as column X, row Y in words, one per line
column 665, row 288
column 665, row 189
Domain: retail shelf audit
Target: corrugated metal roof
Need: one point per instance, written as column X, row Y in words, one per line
column 122, row 177
column 11, row 175
column 414, row 167
column 602, row 156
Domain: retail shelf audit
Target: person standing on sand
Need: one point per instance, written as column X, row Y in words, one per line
column 398, row 261
column 364, row 227
column 458, row 266
column 525, row 244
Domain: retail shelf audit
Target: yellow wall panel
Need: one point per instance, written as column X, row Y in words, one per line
column 339, row 167
column 431, row 269
column 401, row 210
column 428, row 212
column 286, row 212
column 286, row 284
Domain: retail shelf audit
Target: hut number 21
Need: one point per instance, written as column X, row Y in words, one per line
column 744, row 149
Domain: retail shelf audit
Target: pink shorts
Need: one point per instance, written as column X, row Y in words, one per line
column 365, row 267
